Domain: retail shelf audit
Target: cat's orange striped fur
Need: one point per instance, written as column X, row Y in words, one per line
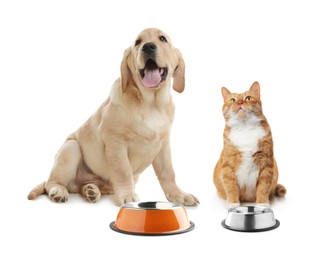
column 246, row 170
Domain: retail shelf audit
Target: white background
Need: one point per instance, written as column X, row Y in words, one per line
column 58, row 60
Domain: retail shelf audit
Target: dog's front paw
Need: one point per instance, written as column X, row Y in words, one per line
column 183, row 198
column 125, row 198
column 58, row 194
column 91, row 192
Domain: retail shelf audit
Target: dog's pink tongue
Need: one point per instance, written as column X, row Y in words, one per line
column 151, row 78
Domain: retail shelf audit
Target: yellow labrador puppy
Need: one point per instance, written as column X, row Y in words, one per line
column 128, row 132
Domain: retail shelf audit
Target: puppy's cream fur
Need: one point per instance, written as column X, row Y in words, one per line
column 128, row 132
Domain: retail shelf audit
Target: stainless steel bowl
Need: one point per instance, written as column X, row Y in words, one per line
column 250, row 219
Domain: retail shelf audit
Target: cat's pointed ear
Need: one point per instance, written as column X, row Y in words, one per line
column 255, row 88
column 225, row 92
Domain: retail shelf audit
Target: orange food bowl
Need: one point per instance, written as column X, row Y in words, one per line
column 152, row 218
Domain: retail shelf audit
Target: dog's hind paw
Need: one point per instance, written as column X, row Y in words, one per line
column 91, row 192
column 58, row 194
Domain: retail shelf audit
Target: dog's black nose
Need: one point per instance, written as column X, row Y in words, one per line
column 149, row 48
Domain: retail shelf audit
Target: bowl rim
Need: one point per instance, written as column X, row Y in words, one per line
column 260, row 210
column 192, row 226
column 152, row 205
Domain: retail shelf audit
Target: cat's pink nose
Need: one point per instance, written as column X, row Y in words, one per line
column 240, row 102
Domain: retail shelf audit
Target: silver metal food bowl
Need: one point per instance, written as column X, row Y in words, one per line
column 250, row 219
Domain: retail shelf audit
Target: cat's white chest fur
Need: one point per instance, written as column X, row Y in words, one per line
column 245, row 135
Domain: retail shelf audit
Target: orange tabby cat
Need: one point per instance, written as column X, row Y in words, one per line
column 246, row 170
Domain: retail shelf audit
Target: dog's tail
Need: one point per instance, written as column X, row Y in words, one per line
column 38, row 190
column 280, row 190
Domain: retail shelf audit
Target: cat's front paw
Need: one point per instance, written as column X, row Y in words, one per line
column 263, row 204
column 233, row 205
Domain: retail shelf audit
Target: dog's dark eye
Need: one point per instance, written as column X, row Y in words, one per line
column 137, row 42
column 162, row 39
column 248, row 98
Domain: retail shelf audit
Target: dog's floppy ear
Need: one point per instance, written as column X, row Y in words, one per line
column 126, row 75
column 179, row 74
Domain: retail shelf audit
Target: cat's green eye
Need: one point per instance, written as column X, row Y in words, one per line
column 248, row 98
column 232, row 100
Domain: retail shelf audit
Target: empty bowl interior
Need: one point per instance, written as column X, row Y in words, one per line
column 152, row 218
